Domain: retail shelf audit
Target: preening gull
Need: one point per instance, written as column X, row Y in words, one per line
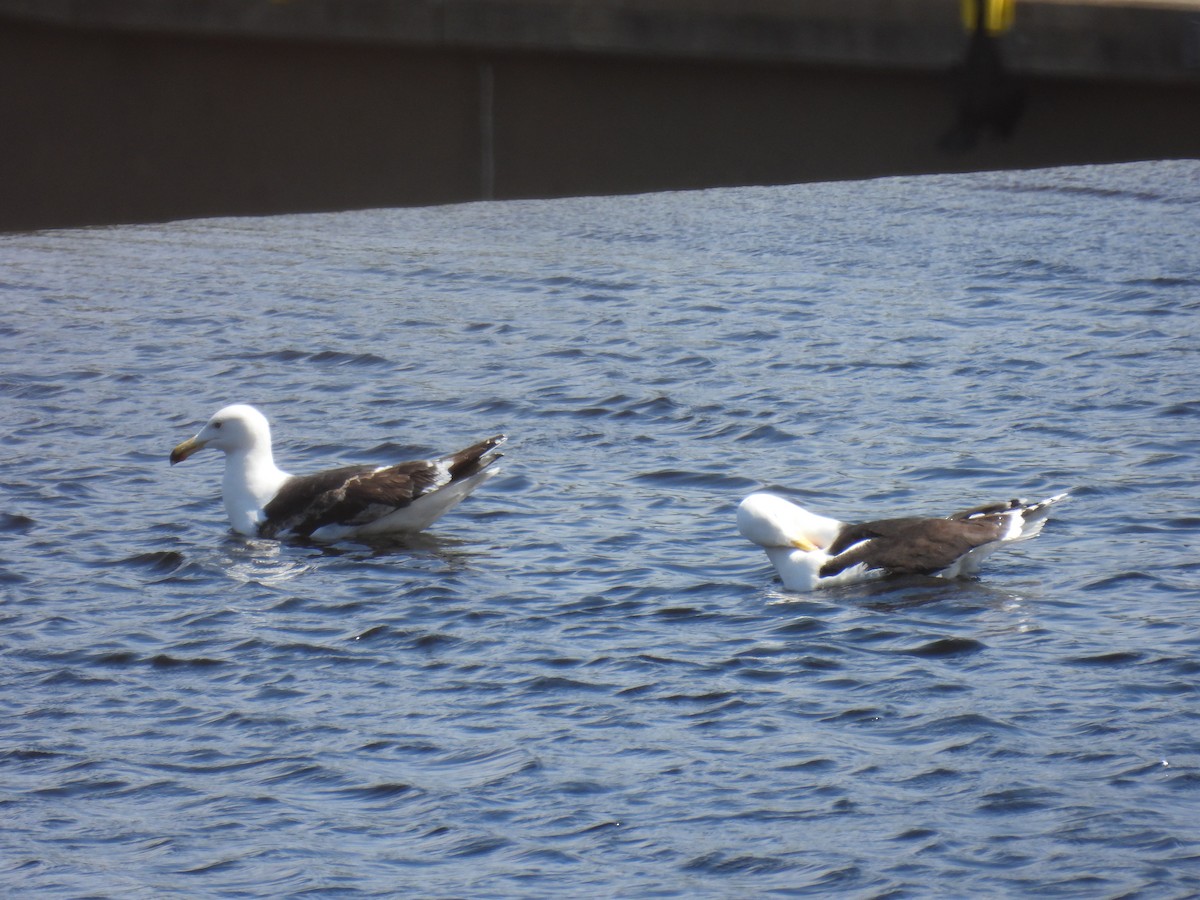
column 353, row 501
column 811, row 551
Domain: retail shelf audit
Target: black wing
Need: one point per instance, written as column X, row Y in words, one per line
column 357, row 495
column 989, row 509
column 475, row 458
column 911, row 546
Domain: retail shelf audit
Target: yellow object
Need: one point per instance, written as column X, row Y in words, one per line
column 998, row 15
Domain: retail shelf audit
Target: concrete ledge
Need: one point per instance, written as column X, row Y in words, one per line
column 1138, row 39
column 144, row 110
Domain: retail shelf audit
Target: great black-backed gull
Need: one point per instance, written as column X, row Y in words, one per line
column 811, row 551
column 353, row 501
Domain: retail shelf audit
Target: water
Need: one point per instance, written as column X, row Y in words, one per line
column 582, row 682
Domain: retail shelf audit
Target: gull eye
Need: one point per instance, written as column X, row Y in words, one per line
column 217, row 424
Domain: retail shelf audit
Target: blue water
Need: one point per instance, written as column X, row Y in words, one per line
column 583, row 682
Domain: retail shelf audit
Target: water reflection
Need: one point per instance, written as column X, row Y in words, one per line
column 259, row 561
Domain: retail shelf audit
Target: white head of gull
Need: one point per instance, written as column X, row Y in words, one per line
column 811, row 551
column 262, row 500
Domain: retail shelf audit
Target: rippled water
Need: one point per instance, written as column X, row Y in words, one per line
column 582, row 682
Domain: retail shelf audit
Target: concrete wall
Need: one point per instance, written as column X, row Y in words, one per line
column 138, row 118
